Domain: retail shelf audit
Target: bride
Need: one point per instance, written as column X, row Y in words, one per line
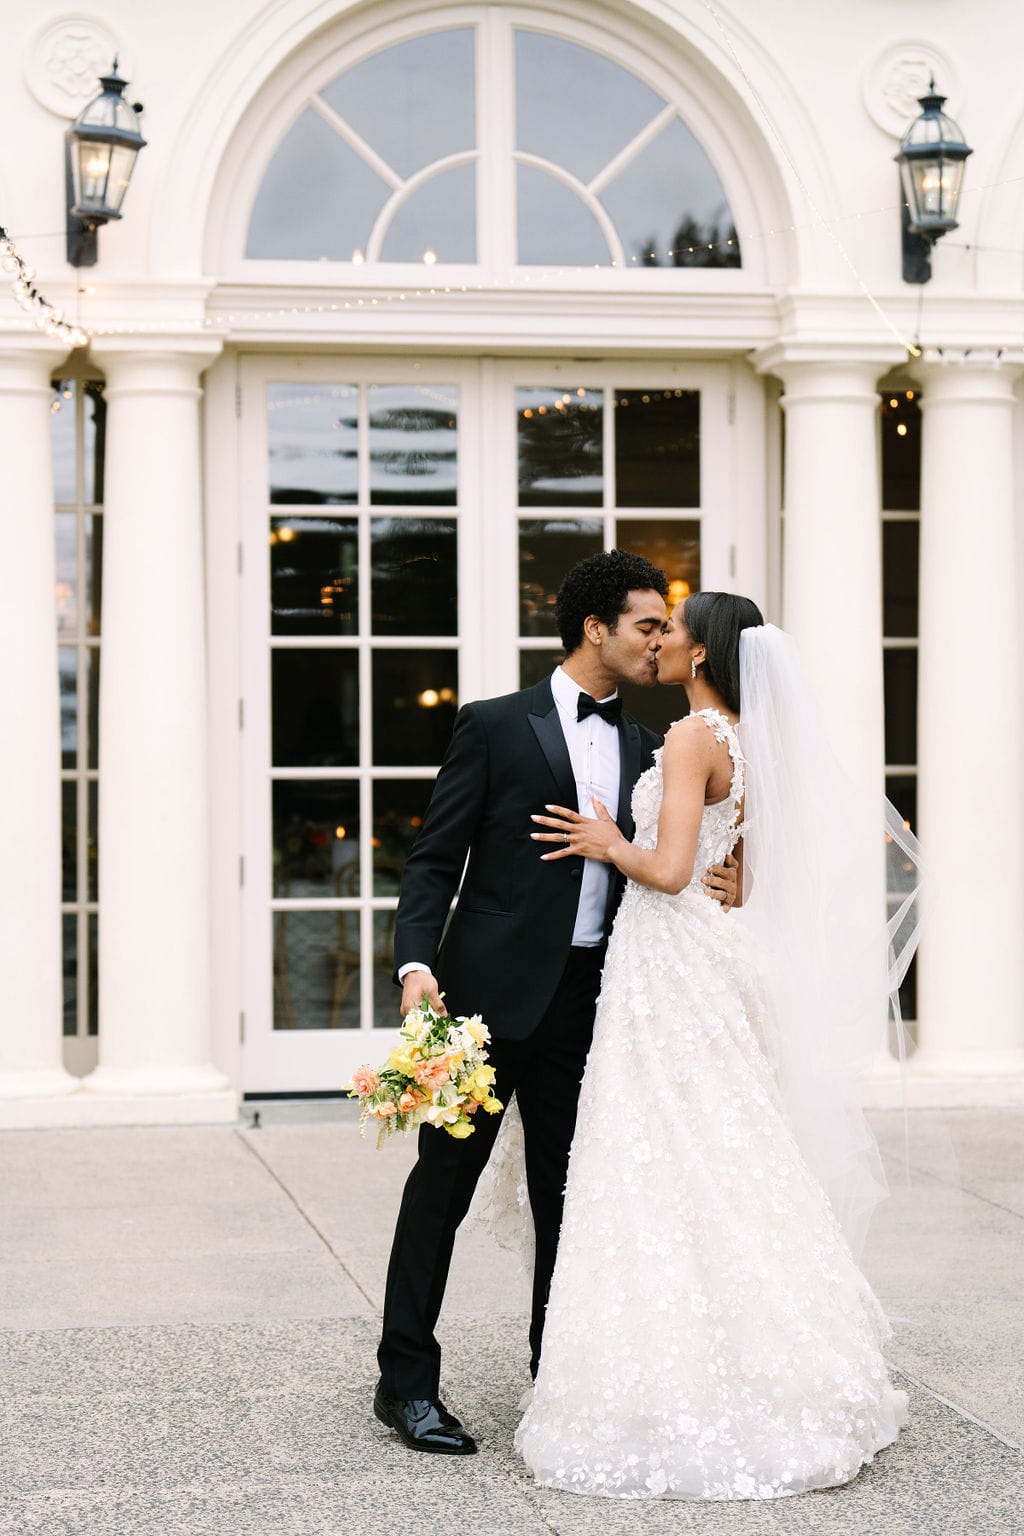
column 709, row 1334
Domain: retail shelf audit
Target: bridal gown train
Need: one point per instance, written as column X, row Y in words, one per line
column 709, row 1334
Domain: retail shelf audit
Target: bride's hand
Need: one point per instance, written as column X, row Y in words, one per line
column 580, row 836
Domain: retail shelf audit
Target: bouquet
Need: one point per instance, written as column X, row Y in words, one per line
column 437, row 1076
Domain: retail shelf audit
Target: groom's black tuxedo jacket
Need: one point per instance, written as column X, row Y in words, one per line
column 506, row 945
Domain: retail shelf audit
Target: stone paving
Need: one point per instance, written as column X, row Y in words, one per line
column 188, row 1321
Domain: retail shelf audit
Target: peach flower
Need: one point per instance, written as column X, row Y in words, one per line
column 365, row 1081
column 383, row 1111
column 433, row 1073
column 411, row 1099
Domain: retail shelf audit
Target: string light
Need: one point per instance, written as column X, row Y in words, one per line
column 44, row 315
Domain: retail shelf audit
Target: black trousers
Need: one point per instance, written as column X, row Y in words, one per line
column 544, row 1071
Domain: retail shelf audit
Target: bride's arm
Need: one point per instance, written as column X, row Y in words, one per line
column 687, row 763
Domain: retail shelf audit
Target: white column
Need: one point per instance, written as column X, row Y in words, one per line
column 154, row 1039
column 832, row 568
column 832, row 549
column 971, row 965
column 30, row 809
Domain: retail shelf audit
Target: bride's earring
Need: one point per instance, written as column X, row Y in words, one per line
column 693, row 669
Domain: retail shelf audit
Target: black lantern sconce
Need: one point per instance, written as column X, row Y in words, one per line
column 101, row 147
column 931, row 161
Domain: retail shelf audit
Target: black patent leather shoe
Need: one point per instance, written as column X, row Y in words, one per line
column 423, row 1424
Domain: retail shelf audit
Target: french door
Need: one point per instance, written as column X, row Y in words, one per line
column 406, row 526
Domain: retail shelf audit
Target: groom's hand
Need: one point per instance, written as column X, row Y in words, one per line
column 416, row 986
column 722, row 881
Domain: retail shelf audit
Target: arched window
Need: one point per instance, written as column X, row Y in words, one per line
column 543, row 151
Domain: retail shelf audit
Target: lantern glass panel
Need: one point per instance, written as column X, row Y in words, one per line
column 122, row 163
column 93, row 163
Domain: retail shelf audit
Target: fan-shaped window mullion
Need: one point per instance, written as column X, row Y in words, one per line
column 635, row 146
column 402, row 194
column 357, row 142
column 593, row 205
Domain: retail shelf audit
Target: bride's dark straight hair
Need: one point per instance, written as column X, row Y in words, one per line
column 715, row 621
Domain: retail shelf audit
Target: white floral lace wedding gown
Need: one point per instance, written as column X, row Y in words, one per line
column 709, row 1334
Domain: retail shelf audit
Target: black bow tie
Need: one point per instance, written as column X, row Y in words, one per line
column 610, row 710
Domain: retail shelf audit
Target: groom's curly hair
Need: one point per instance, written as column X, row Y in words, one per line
column 600, row 585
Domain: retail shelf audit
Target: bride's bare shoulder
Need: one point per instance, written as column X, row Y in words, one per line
column 690, row 738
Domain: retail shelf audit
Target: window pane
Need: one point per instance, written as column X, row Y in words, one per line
column 668, row 206
column 901, row 450
column 92, row 669
column 575, row 106
column 546, row 551
column 315, row 708
column 900, row 545
column 68, row 665
column 555, row 226
column 534, row 666
column 94, row 440
column 92, row 853
column 67, row 572
column 69, row 839
column 673, row 545
column 69, row 942
column 437, row 221
column 62, row 441
column 386, row 995
column 93, row 572
column 900, row 706
column 312, row 432
column 316, row 838
column 313, row 576
column 901, row 789
column 657, row 447
column 413, row 435
column 415, row 698
column 318, row 199
column 399, row 806
column 560, row 434
column 316, row 970
column 93, row 929
column 415, row 565
column 413, row 103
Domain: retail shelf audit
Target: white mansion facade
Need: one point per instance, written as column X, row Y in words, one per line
column 410, row 307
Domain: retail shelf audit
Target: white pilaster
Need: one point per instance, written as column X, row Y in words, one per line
column 971, row 965
column 831, row 572
column 31, row 1071
column 153, row 802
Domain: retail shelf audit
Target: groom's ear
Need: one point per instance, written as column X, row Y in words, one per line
column 593, row 629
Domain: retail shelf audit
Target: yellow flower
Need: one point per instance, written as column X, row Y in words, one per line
column 476, row 1031
column 480, row 1094
column 461, row 1129
column 483, row 1077
column 493, row 1106
column 402, row 1062
column 457, row 1058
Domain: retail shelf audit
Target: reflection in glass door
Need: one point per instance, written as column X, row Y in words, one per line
column 359, row 595
column 395, row 514
column 607, row 463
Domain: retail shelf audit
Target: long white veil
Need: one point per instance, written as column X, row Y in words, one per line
column 820, row 856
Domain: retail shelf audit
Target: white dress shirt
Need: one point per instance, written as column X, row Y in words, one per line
column 594, row 753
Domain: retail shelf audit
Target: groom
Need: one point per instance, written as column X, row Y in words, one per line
column 524, row 948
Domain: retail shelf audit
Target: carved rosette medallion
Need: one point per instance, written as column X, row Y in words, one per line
column 893, row 83
column 65, row 60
